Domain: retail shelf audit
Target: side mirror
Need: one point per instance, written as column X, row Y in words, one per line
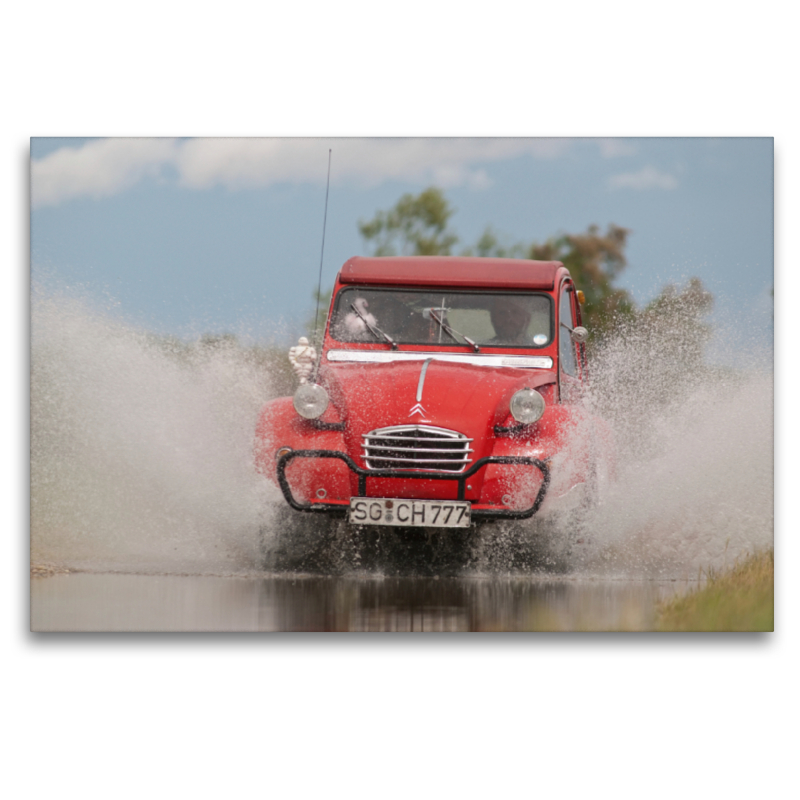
column 579, row 334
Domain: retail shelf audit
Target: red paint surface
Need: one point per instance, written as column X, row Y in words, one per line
column 494, row 273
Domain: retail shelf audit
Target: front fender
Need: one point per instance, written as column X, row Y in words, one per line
column 563, row 439
column 279, row 425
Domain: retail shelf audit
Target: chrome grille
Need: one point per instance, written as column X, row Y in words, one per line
column 416, row 447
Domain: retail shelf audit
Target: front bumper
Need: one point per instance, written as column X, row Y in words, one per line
column 461, row 479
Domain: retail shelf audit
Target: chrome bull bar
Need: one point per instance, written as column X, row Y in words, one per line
column 461, row 478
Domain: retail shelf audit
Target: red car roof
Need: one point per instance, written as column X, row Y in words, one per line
column 498, row 273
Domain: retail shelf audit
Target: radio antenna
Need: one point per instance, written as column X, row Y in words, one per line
column 324, row 223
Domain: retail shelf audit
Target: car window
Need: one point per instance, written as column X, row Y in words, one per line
column 566, row 349
column 492, row 319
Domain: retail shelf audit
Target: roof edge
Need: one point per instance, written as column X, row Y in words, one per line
column 467, row 271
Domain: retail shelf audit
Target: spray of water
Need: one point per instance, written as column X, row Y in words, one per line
column 141, row 455
column 140, row 449
column 694, row 484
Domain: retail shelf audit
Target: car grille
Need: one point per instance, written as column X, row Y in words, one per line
column 417, row 447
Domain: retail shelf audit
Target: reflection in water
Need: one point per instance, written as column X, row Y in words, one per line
column 108, row 602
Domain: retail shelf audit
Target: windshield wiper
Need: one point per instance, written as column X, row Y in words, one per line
column 374, row 329
column 452, row 333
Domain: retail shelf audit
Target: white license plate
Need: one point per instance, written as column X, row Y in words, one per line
column 410, row 513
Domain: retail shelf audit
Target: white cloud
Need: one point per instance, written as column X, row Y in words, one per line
column 237, row 163
column 646, row 178
column 616, row 148
column 100, row 168
column 103, row 167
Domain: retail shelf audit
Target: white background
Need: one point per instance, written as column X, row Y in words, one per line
column 288, row 715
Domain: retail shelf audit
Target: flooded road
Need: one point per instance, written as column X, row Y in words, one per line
column 113, row 602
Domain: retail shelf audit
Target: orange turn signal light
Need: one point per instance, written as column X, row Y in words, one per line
column 581, row 296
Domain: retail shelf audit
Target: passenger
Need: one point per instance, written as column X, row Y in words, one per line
column 352, row 327
column 384, row 314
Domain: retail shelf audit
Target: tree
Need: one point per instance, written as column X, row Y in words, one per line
column 490, row 246
column 594, row 260
column 675, row 321
column 652, row 364
column 418, row 224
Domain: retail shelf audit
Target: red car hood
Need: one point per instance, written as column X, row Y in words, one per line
column 461, row 397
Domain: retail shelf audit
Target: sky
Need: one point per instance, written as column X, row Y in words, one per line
column 212, row 235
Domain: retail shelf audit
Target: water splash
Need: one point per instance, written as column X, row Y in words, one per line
column 140, row 447
column 141, row 456
column 695, row 460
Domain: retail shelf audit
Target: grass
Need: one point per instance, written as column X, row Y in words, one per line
column 741, row 599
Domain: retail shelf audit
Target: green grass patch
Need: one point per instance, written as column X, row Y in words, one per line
column 741, row 599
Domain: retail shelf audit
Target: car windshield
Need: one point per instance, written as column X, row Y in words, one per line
column 486, row 319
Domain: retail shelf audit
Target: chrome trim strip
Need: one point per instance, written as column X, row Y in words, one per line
column 421, row 383
column 487, row 360
column 391, row 430
column 392, row 448
column 426, row 461
column 375, row 452
column 443, row 439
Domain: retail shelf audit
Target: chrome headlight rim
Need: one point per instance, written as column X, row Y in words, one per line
column 527, row 406
column 310, row 400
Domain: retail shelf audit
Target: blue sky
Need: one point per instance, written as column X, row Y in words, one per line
column 189, row 236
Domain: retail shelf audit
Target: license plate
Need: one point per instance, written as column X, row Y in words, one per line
column 410, row 513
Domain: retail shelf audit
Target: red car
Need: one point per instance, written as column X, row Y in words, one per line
column 450, row 391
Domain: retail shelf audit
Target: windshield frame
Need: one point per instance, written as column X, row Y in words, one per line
column 350, row 291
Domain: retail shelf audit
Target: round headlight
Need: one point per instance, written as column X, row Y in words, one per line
column 310, row 400
column 527, row 406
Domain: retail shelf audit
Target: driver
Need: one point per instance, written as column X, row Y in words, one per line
column 510, row 320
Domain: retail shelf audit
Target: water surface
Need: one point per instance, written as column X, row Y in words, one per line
column 114, row 602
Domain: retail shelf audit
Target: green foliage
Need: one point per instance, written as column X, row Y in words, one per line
column 680, row 307
column 418, row 224
column 739, row 600
column 674, row 319
column 489, row 246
